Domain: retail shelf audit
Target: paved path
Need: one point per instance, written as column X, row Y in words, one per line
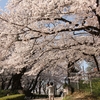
column 60, row 98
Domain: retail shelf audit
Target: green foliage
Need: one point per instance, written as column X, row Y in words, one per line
column 95, row 86
column 84, row 86
column 5, row 92
column 13, row 97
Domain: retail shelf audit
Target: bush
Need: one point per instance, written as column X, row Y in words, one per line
column 96, row 87
column 5, row 92
column 85, row 87
column 14, row 97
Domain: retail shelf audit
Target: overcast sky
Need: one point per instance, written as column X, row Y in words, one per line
column 3, row 3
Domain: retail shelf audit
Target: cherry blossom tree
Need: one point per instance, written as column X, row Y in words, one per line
column 49, row 35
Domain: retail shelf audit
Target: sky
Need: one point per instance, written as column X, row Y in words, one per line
column 3, row 3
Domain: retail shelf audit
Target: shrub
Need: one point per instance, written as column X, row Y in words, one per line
column 5, row 92
column 14, row 97
column 96, row 87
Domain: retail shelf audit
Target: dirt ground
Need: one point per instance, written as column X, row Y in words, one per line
column 60, row 98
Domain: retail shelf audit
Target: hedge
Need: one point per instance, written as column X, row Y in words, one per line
column 13, row 97
column 5, row 92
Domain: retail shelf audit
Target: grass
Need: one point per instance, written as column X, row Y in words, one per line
column 81, row 96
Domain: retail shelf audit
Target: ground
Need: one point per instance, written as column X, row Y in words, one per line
column 76, row 96
column 81, row 96
column 60, row 98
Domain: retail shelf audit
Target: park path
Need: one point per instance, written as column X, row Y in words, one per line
column 60, row 98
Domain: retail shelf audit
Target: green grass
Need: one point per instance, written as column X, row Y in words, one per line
column 80, row 96
column 85, row 91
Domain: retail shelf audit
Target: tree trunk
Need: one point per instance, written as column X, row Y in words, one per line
column 36, row 79
column 16, row 80
column 40, row 85
column 3, row 85
column 9, row 83
column 70, row 64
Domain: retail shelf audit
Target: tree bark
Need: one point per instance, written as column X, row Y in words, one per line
column 16, row 80
column 9, row 83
